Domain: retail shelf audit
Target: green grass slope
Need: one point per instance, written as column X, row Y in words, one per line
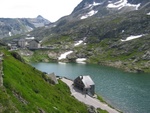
column 25, row 91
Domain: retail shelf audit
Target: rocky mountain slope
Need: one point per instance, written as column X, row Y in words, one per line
column 97, row 13
column 101, row 8
column 114, row 33
column 13, row 26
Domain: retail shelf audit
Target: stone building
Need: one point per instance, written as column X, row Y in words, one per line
column 86, row 84
column 34, row 44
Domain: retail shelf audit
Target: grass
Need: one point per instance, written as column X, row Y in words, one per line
column 39, row 56
column 102, row 111
column 26, row 91
column 125, row 52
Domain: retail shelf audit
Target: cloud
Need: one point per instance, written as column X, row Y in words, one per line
column 50, row 9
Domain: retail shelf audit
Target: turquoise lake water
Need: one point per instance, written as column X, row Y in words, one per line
column 128, row 92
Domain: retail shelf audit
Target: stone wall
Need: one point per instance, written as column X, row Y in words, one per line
column 1, row 70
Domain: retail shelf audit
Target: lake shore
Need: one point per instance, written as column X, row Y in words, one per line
column 115, row 86
column 88, row 100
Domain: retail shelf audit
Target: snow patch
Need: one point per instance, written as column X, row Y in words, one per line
column 132, row 37
column 123, row 31
column 78, row 43
column 9, row 44
column 81, row 60
column 28, row 35
column 134, row 5
column 10, row 34
column 54, row 25
column 96, row 4
column 122, row 3
column 30, row 38
column 64, row 55
column 148, row 13
column 92, row 5
column 91, row 13
column 29, row 28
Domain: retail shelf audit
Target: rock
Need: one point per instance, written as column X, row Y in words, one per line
column 114, row 45
column 72, row 56
column 136, row 60
column 81, row 55
column 53, row 55
column 146, row 56
column 41, row 110
column 91, row 109
column 138, row 70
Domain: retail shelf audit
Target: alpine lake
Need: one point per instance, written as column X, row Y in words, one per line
column 128, row 92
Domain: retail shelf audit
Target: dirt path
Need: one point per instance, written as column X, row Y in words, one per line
column 87, row 99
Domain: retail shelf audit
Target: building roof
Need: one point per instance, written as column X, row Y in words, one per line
column 34, row 41
column 21, row 40
column 86, row 79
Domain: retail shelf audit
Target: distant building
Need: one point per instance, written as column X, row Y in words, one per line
column 22, row 43
column 34, row 44
column 86, row 84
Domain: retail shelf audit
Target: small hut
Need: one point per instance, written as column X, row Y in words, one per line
column 86, row 84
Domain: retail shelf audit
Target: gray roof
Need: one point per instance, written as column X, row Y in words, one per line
column 86, row 79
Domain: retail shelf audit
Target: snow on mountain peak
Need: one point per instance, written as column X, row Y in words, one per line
column 96, row 4
column 91, row 13
column 92, row 5
column 122, row 3
column 132, row 37
column 148, row 13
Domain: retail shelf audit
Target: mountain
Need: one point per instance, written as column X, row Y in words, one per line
column 89, row 8
column 39, row 21
column 113, row 32
column 92, row 15
column 101, row 8
column 13, row 26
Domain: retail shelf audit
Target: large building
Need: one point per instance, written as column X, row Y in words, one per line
column 34, row 44
column 22, row 43
column 86, row 84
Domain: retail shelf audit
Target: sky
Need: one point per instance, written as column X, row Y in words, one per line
column 49, row 9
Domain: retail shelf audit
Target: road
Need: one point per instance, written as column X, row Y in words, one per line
column 86, row 98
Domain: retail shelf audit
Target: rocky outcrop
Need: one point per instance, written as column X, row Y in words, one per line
column 53, row 55
column 146, row 56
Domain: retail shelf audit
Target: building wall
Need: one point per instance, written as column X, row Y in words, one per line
column 92, row 89
column 34, row 45
column 22, row 43
column 80, row 85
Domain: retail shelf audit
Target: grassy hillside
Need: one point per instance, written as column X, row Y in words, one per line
column 26, row 91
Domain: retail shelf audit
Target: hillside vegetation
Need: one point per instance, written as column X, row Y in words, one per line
column 103, row 40
column 26, row 91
